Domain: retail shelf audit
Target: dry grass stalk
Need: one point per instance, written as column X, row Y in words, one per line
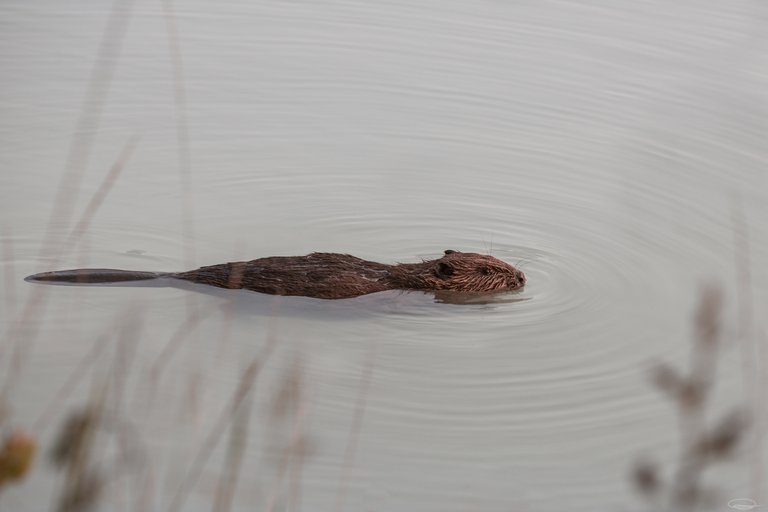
column 89, row 117
column 183, row 332
column 73, row 451
column 702, row 446
column 247, row 382
column 30, row 316
column 98, row 197
column 238, row 441
column 77, row 375
column 9, row 274
column 77, row 445
column 354, row 429
column 752, row 345
column 182, row 131
column 290, row 398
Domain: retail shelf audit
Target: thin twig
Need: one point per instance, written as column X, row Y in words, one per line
column 89, row 117
column 238, row 440
column 182, row 132
column 230, row 411
column 9, row 276
column 30, row 317
column 354, row 429
column 77, row 375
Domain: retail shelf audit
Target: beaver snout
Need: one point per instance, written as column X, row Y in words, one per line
column 520, row 277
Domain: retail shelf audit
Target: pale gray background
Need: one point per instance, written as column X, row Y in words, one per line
column 603, row 146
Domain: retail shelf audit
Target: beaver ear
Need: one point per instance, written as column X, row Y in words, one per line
column 443, row 269
column 450, row 251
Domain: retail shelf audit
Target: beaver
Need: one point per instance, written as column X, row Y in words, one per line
column 325, row 275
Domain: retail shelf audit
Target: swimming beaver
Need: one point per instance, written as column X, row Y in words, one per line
column 327, row 275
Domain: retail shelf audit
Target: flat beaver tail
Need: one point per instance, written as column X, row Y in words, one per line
column 92, row 276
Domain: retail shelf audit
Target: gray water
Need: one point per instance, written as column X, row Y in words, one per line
column 615, row 151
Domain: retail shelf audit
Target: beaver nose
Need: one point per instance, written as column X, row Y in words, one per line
column 521, row 277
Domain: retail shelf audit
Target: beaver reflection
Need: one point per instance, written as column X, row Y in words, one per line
column 327, row 275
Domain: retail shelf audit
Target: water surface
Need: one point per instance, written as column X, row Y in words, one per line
column 614, row 151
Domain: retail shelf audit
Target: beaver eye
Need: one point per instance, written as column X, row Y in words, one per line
column 485, row 271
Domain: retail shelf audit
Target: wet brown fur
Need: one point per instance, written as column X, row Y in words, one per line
column 329, row 275
column 341, row 276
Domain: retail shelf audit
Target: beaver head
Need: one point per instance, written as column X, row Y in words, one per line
column 471, row 272
column 460, row 272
